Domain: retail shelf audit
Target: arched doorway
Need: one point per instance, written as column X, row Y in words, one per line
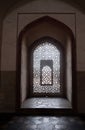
column 48, row 28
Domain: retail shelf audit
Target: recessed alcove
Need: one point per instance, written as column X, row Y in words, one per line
column 41, row 31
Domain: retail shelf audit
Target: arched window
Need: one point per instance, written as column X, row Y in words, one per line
column 46, row 76
column 34, row 62
column 46, row 72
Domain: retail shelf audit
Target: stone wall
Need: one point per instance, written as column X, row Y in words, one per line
column 14, row 23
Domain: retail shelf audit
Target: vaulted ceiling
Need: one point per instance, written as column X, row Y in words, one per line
column 5, row 5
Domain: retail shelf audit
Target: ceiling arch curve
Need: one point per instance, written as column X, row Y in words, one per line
column 47, row 22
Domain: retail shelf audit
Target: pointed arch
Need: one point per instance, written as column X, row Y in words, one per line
column 46, row 27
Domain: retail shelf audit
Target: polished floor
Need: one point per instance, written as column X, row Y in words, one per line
column 46, row 103
column 43, row 123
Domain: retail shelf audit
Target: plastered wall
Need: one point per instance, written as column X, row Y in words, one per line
column 15, row 21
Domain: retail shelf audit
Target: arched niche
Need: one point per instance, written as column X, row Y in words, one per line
column 48, row 52
column 42, row 27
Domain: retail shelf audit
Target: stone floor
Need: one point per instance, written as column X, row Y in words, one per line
column 46, row 103
column 44, row 123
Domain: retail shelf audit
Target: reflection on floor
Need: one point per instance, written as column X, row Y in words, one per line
column 46, row 103
column 44, row 123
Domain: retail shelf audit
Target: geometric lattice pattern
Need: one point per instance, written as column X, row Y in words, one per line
column 46, row 75
column 46, row 51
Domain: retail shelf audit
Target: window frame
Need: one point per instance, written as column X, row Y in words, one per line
column 50, row 66
column 62, row 68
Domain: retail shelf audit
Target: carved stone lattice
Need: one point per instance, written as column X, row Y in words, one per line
column 50, row 82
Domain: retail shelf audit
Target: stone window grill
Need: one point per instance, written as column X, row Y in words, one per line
column 46, row 68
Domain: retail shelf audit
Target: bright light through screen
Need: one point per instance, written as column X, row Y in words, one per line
column 46, row 51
